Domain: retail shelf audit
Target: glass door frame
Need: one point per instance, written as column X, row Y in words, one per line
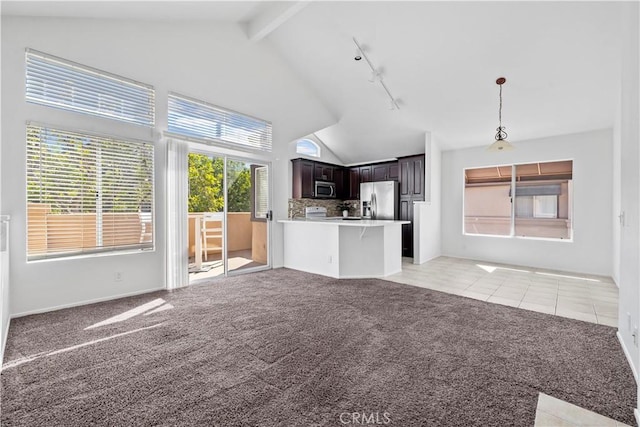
column 226, row 155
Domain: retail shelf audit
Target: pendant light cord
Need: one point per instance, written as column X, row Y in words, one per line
column 500, row 109
column 501, row 134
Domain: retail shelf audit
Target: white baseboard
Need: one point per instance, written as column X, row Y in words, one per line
column 523, row 265
column 628, row 356
column 4, row 342
column 85, row 302
column 427, row 260
column 637, row 415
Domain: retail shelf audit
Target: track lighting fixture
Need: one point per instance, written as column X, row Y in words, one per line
column 376, row 75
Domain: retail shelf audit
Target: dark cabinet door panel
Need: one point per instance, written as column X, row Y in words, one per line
column 323, row 172
column 412, row 177
column 406, row 178
column 406, row 210
column 354, row 183
column 380, row 172
column 308, row 187
column 394, row 171
column 407, row 240
column 365, row 174
column 303, row 179
column 418, row 178
column 340, row 181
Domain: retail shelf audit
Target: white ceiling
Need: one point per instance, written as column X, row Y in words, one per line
column 440, row 59
column 226, row 11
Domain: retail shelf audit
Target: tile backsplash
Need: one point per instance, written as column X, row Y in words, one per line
column 296, row 207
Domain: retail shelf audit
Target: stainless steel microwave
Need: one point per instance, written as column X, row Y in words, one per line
column 325, row 190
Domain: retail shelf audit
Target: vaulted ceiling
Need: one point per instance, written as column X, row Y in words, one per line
column 439, row 59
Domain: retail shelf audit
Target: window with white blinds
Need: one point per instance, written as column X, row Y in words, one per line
column 63, row 84
column 87, row 193
column 198, row 119
column 261, row 185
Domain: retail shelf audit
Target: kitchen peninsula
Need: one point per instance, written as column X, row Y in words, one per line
column 343, row 248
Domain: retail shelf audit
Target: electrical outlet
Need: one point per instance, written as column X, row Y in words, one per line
column 330, row 259
column 117, row 276
column 628, row 321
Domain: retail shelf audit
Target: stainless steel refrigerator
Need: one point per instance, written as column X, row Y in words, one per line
column 379, row 200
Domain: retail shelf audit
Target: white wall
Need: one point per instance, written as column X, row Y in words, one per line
column 326, row 155
column 427, row 225
column 627, row 185
column 616, row 207
column 4, row 274
column 209, row 61
column 592, row 175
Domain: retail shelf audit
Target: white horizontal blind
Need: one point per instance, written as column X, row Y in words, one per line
column 63, row 84
column 193, row 118
column 87, row 193
column 262, row 192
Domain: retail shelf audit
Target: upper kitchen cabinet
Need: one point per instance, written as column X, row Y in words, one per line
column 412, row 177
column 365, row 174
column 323, row 172
column 303, row 178
column 341, row 180
column 353, row 181
column 388, row 171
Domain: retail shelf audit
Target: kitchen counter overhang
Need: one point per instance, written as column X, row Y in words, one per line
column 343, row 248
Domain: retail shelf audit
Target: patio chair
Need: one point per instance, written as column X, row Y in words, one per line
column 211, row 228
column 146, row 223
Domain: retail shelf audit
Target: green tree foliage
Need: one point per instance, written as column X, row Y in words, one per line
column 73, row 173
column 206, row 184
column 239, row 192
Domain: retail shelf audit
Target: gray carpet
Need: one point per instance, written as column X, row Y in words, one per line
column 284, row 348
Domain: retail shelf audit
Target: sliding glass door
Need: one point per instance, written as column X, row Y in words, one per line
column 228, row 215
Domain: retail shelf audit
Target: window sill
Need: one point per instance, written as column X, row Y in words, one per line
column 546, row 239
column 90, row 255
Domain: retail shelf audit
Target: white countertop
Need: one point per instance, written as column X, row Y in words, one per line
column 346, row 223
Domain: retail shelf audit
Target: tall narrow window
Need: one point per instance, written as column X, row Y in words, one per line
column 63, row 84
column 193, row 118
column 87, row 193
column 261, row 188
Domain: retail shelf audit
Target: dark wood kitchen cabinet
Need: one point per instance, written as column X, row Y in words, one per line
column 412, row 185
column 303, row 179
column 353, row 183
column 365, row 174
column 412, row 176
column 340, row 179
column 405, row 213
column 323, row 172
column 385, row 171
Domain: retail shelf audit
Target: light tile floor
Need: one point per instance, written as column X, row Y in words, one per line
column 552, row 412
column 576, row 296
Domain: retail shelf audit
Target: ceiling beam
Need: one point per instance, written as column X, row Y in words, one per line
column 271, row 18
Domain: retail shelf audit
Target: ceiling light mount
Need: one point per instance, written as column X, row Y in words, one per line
column 376, row 74
column 501, row 143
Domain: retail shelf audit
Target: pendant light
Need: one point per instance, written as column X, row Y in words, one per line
column 501, row 143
